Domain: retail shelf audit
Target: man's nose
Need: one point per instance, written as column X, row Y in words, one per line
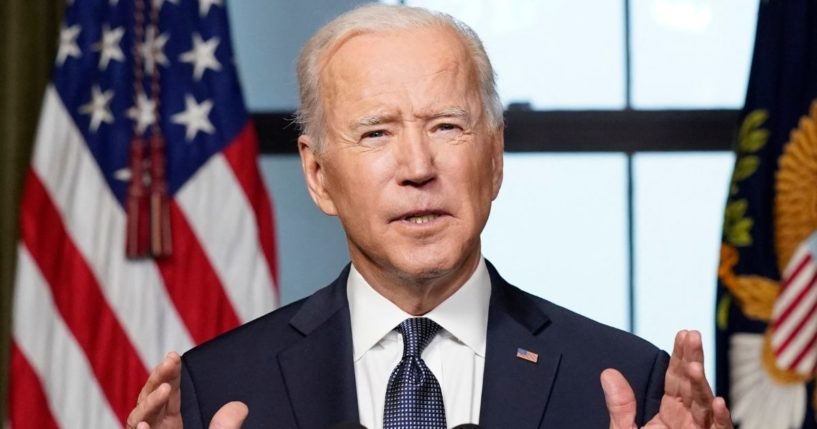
column 415, row 158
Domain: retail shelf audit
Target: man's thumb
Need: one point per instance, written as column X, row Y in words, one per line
column 230, row 416
column 620, row 399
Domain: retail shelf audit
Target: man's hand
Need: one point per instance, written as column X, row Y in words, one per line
column 159, row 403
column 688, row 401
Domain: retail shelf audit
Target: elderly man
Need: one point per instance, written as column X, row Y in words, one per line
column 403, row 140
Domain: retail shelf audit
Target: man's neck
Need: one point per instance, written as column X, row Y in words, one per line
column 417, row 296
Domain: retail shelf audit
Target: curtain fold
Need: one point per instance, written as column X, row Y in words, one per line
column 29, row 34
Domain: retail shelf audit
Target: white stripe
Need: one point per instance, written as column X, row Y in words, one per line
column 806, row 365
column 74, row 396
column 793, row 289
column 223, row 220
column 96, row 223
column 795, row 317
column 797, row 345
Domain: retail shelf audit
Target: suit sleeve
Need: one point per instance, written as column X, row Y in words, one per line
column 191, row 415
column 655, row 386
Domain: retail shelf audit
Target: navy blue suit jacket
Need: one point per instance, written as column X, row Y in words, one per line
column 293, row 367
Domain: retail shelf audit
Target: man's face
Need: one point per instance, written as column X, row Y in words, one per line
column 408, row 164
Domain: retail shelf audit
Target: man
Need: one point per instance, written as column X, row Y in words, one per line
column 403, row 140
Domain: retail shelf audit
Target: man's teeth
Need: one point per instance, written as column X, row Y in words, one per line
column 421, row 219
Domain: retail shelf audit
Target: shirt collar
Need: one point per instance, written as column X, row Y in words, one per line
column 464, row 314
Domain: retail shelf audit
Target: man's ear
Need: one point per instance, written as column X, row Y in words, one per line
column 314, row 174
column 497, row 159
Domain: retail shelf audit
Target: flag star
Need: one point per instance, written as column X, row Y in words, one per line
column 202, row 55
column 68, row 43
column 109, row 46
column 98, row 108
column 144, row 113
column 194, row 117
column 204, row 6
column 152, row 49
column 123, row 174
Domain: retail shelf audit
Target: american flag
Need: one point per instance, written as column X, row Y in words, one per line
column 527, row 355
column 143, row 145
column 794, row 316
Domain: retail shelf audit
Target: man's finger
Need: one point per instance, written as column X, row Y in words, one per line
column 700, row 395
column 693, row 347
column 150, row 406
column 722, row 418
column 230, row 416
column 620, row 399
column 676, row 373
column 167, row 371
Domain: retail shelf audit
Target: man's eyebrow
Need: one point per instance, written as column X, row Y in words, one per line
column 371, row 120
column 451, row 112
column 379, row 119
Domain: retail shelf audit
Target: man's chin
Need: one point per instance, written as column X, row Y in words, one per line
column 431, row 269
column 422, row 273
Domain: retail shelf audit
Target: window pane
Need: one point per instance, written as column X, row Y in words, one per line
column 267, row 37
column 559, row 230
column 311, row 246
column 691, row 53
column 553, row 54
column 679, row 201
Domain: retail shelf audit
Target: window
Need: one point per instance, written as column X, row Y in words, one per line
column 559, row 230
column 557, row 54
column 691, row 53
column 566, row 226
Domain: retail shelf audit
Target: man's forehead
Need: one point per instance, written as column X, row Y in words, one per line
column 397, row 76
column 428, row 49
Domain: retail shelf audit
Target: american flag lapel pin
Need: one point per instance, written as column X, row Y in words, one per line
column 527, row 355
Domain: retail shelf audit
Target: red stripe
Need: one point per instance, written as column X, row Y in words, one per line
column 78, row 298
column 792, row 305
column 800, row 267
column 808, row 348
column 28, row 404
column 788, row 280
column 782, row 347
column 242, row 155
column 193, row 285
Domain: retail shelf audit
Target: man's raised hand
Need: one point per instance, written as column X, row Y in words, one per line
column 159, row 403
column 688, row 401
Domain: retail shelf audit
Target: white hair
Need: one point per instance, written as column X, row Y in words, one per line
column 373, row 18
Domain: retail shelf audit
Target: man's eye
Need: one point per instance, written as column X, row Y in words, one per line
column 374, row 134
column 446, row 127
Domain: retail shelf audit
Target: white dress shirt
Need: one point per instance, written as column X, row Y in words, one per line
column 456, row 355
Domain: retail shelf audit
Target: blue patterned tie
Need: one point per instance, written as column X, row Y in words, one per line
column 413, row 397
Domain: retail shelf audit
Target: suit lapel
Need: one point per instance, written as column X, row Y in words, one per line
column 319, row 373
column 318, row 370
column 515, row 391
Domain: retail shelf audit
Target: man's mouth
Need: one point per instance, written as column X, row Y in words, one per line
column 422, row 219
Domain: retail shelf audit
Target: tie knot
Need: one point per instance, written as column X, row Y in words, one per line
column 417, row 333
